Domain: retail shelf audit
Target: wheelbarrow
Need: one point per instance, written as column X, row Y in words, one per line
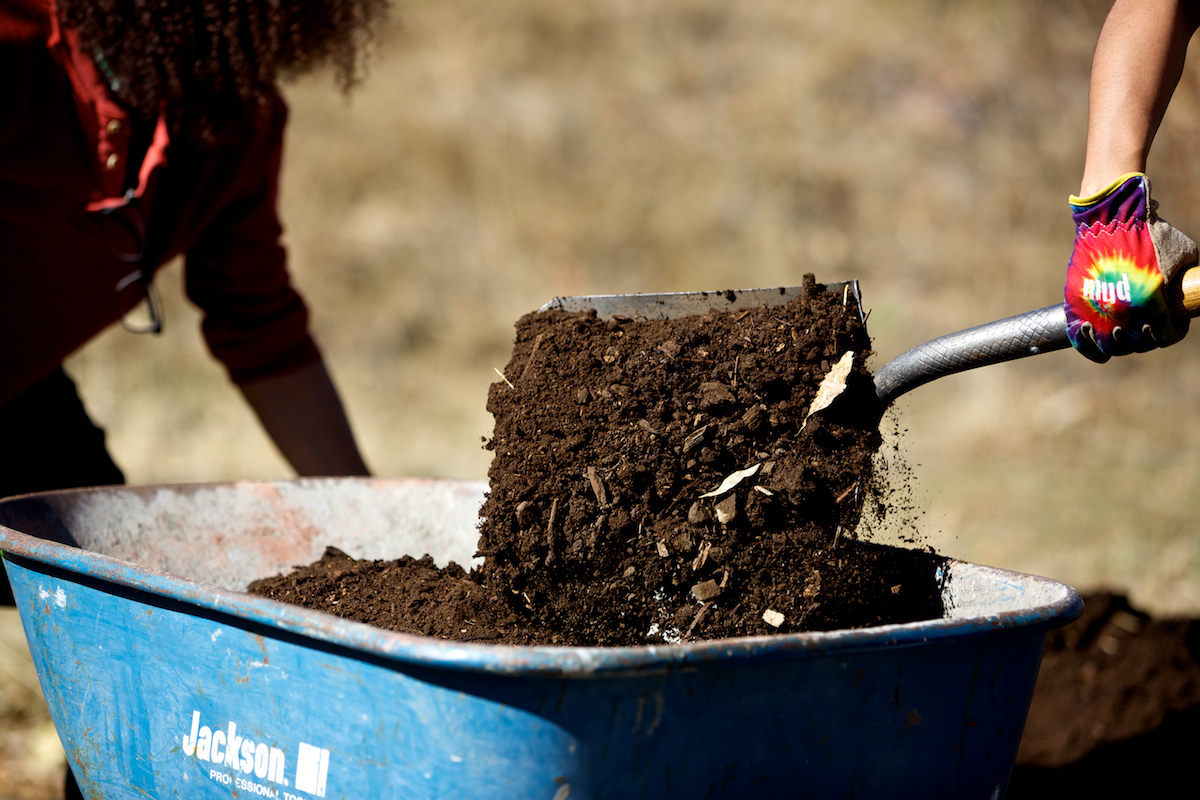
column 165, row 679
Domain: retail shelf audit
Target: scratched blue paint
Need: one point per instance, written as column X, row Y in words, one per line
column 152, row 680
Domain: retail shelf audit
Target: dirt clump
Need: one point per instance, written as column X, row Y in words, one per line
column 1116, row 711
column 661, row 481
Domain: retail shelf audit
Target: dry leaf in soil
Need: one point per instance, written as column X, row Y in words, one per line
column 732, row 481
column 833, row 384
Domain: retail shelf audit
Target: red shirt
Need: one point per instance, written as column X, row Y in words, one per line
column 69, row 237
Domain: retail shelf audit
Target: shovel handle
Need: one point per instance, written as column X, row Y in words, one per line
column 1028, row 334
column 1185, row 300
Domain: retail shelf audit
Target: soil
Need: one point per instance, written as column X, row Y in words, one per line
column 660, row 481
column 1116, row 712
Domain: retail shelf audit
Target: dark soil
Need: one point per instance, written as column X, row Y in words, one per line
column 1116, row 712
column 604, row 524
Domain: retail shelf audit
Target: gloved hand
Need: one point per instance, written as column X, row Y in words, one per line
column 1124, row 258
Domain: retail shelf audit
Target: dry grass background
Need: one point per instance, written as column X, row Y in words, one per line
column 500, row 154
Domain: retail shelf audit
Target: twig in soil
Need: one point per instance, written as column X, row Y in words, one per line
column 837, row 535
column 846, row 493
column 699, row 616
column 671, row 506
column 506, row 380
column 550, row 532
column 597, row 487
column 647, row 427
column 532, row 355
column 695, row 438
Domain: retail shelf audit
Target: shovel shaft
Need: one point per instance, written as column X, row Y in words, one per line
column 1028, row 334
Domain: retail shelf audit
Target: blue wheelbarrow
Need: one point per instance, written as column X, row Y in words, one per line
column 165, row 679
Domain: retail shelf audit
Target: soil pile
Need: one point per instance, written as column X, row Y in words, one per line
column 659, row 481
column 1116, row 712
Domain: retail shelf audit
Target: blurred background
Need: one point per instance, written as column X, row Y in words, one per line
column 501, row 153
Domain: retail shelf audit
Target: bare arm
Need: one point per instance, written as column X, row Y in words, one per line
column 1138, row 61
column 303, row 414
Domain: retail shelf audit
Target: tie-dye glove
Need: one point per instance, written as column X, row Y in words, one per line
column 1124, row 258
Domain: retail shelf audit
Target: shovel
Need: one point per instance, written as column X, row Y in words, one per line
column 1032, row 333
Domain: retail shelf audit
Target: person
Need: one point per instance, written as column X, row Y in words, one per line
column 134, row 131
column 1125, row 256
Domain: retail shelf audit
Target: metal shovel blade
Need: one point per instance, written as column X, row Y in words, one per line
column 670, row 305
column 1041, row 331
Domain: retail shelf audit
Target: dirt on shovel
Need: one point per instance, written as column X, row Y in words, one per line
column 662, row 481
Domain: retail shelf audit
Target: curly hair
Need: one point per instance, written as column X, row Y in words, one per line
column 213, row 64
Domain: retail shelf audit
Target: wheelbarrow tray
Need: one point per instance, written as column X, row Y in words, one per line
column 165, row 679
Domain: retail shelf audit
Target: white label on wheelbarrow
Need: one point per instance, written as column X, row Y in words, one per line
column 242, row 756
